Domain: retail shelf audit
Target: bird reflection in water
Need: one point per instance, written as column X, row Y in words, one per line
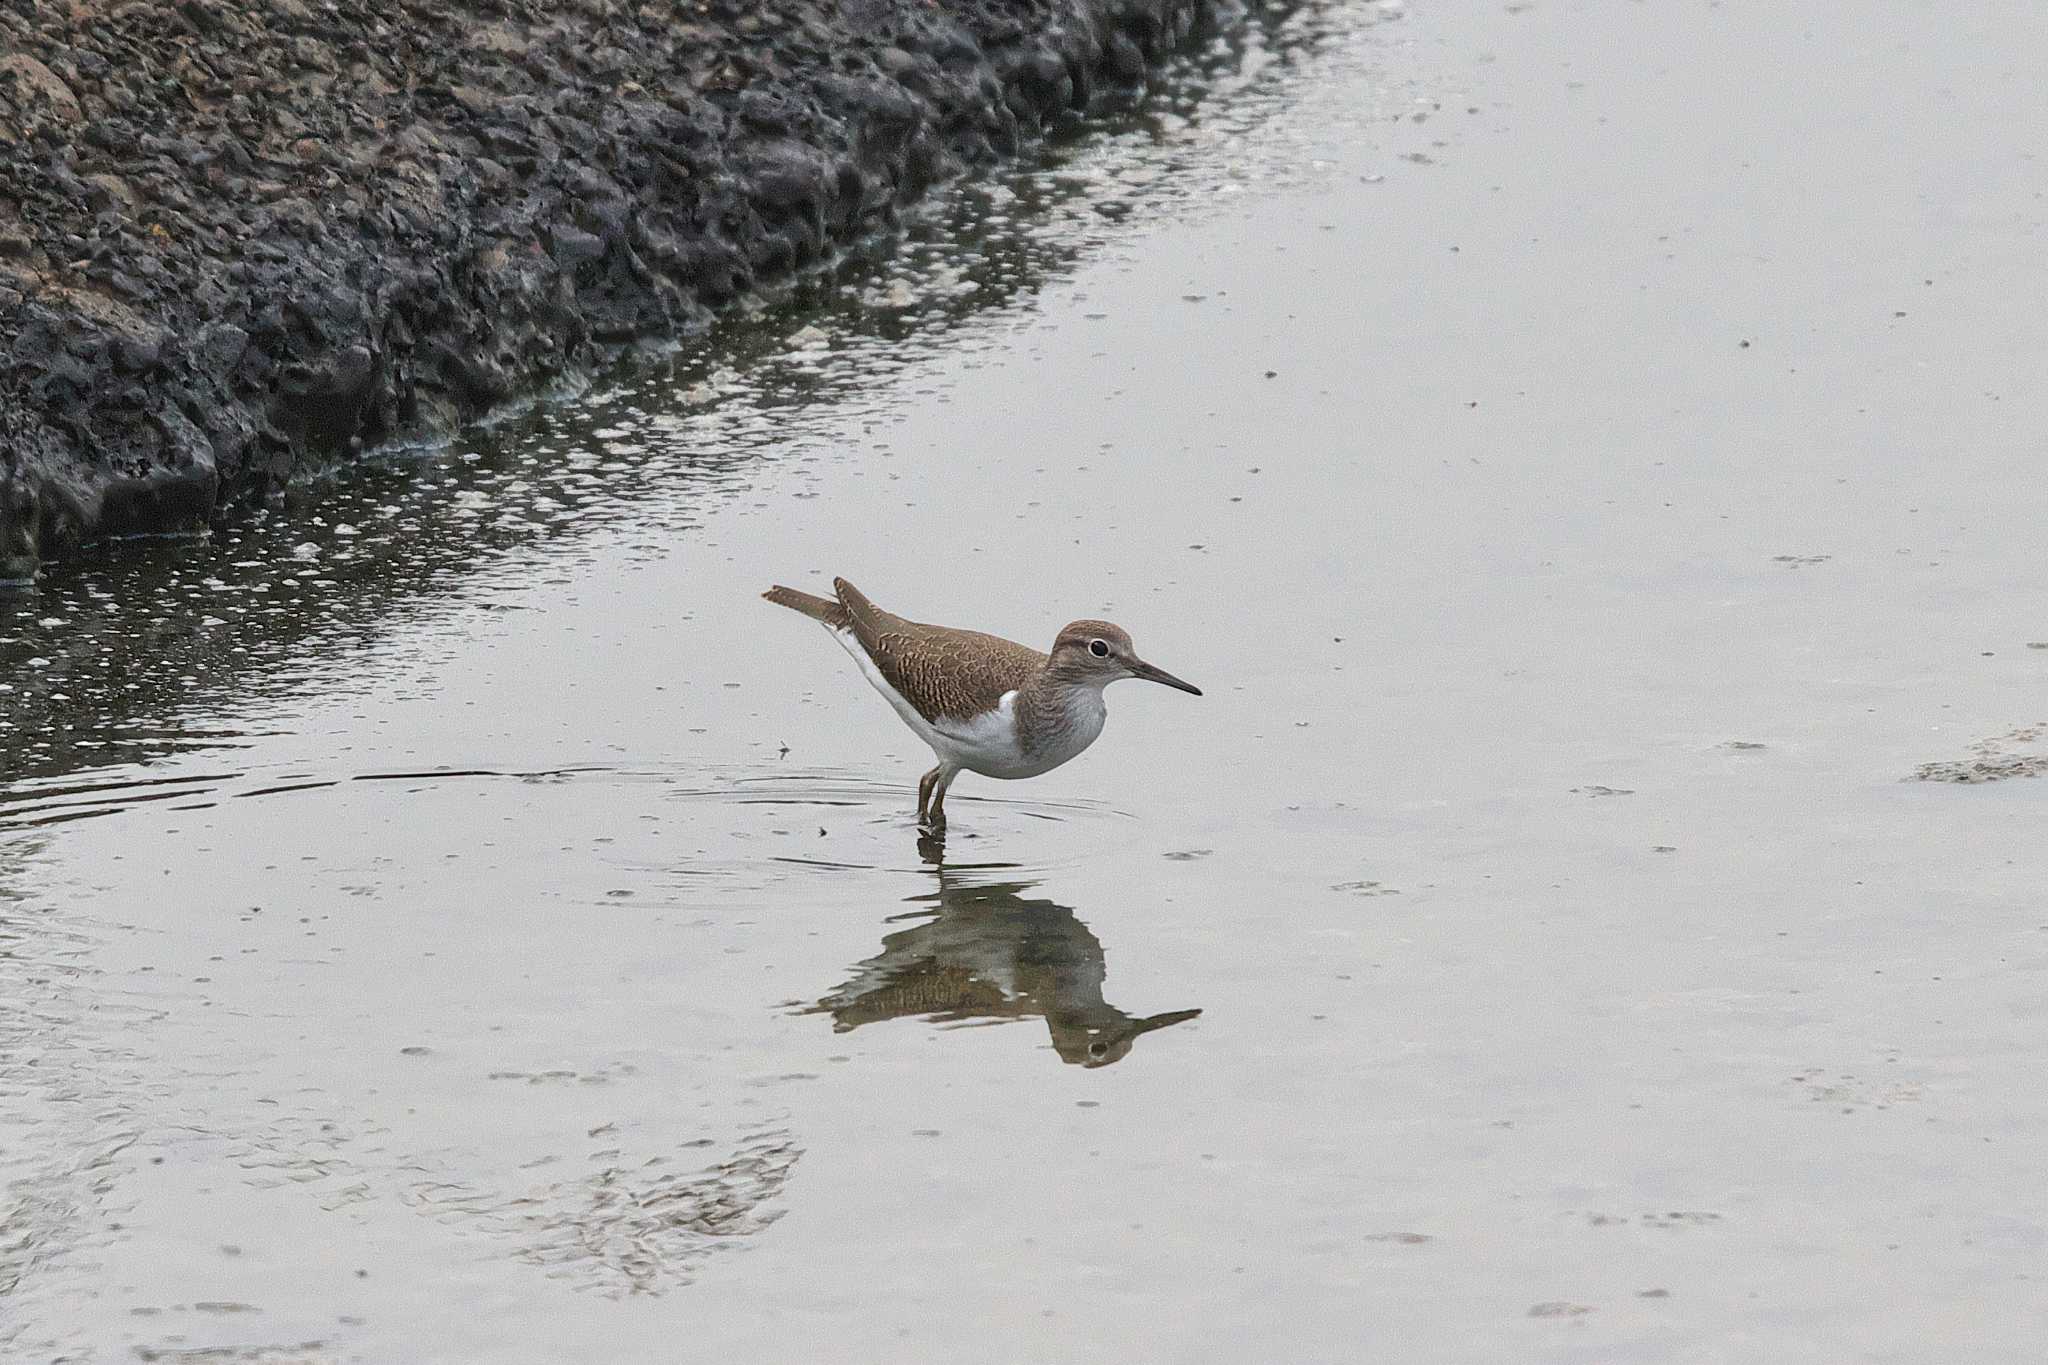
column 989, row 953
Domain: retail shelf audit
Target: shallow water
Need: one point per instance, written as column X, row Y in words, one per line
column 455, row 919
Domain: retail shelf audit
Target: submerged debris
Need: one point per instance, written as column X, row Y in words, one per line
column 2019, row 753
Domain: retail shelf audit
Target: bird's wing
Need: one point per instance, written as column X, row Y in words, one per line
column 945, row 673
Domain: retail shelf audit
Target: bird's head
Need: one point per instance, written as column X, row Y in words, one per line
column 1099, row 653
column 1103, row 1046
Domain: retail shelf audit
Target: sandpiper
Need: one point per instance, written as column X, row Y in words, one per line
column 989, row 952
column 983, row 703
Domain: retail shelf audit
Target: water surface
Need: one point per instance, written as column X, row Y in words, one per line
column 1588, row 457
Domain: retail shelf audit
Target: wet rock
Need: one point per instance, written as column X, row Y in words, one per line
column 219, row 349
column 784, row 178
column 109, row 192
column 1126, row 59
column 342, row 374
column 137, row 355
column 35, row 84
column 896, row 61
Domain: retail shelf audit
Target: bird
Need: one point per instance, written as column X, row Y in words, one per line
column 991, row 953
column 984, row 704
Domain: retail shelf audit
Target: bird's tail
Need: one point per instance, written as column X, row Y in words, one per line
column 817, row 608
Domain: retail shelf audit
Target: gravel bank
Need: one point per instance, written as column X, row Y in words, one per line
column 242, row 241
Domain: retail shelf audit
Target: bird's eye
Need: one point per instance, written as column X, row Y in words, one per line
column 1099, row 648
column 1097, row 1049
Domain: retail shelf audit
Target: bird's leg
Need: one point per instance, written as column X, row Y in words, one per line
column 935, row 813
column 924, row 793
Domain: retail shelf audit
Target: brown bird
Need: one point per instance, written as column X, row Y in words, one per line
column 983, row 703
column 991, row 953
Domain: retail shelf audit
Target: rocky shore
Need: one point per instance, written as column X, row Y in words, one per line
column 242, row 240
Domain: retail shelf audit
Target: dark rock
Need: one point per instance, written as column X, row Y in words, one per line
column 108, row 191
column 219, row 349
column 785, row 178
column 136, row 355
column 36, row 86
column 339, row 375
column 573, row 246
column 1126, row 59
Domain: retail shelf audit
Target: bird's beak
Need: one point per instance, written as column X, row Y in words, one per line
column 1159, row 1021
column 1141, row 669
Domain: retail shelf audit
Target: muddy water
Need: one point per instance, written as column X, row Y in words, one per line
column 1588, row 456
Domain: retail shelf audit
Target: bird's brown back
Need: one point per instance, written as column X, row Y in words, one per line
column 946, row 674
